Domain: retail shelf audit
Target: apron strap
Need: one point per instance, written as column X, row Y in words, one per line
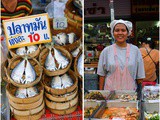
column 127, row 54
column 115, row 54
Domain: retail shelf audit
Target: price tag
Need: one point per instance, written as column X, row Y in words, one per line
column 27, row 31
column 60, row 23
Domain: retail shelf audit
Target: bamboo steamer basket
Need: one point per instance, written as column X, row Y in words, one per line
column 27, row 112
column 77, row 19
column 4, row 68
column 26, row 106
column 56, row 98
column 30, row 117
column 70, row 29
column 36, row 65
column 61, row 106
column 34, row 54
column 64, row 112
column 43, row 56
column 47, row 85
column 11, row 90
column 75, row 65
column 4, row 71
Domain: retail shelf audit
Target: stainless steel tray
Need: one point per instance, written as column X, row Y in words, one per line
column 105, row 94
column 114, row 94
column 109, row 104
column 88, row 104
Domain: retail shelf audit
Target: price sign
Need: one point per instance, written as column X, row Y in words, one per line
column 27, row 31
column 60, row 23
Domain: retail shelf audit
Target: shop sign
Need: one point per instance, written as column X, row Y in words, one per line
column 60, row 23
column 145, row 7
column 27, row 31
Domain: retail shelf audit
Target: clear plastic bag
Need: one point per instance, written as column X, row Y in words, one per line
column 55, row 9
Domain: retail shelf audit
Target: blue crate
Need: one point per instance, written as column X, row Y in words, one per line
column 91, row 82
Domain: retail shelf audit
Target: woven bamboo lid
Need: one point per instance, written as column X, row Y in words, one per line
column 63, row 105
column 11, row 89
column 36, row 65
column 59, row 98
column 47, row 84
column 43, row 56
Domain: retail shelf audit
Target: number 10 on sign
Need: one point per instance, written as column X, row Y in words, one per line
column 60, row 23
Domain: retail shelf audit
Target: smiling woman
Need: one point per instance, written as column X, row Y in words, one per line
column 120, row 64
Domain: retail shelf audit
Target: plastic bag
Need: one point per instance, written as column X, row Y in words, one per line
column 55, row 9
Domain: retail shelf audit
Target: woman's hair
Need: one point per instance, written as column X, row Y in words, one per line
column 148, row 40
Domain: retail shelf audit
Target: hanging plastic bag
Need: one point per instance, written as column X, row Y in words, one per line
column 55, row 9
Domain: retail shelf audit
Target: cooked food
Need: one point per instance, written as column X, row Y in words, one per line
column 89, row 111
column 94, row 96
column 151, row 116
column 121, row 113
column 127, row 97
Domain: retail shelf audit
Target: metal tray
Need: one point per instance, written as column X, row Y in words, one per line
column 88, row 104
column 114, row 94
column 98, row 114
column 105, row 94
column 150, row 89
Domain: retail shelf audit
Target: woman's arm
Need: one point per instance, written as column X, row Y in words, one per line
column 101, row 82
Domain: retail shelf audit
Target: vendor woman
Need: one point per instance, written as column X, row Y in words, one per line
column 120, row 65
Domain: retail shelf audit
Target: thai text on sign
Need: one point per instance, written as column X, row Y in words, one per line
column 27, row 31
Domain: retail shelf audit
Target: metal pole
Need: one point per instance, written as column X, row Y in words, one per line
column 111, row 10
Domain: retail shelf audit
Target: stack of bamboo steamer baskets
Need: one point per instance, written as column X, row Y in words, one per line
column 59, row 101
column 30, row 107
column 80, row 79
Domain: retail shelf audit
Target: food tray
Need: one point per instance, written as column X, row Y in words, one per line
column 149, row 109
column 94, row 104
column 150, row 94
column 132, row 96
column 98, row 114
column 105, row 94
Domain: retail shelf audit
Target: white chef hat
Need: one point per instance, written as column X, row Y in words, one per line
column 128, row 24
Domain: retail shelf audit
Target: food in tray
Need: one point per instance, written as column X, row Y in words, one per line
column 95, row 96
column 89, row 111
column 26, row 50
column 126, row 97
column 64, row 39
column 151, row 93
column 61, row 82
column 26, row 92
column 53, row 60
column 121, row 113
column 152, row 116
column 24, row 72
column 79, row 65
